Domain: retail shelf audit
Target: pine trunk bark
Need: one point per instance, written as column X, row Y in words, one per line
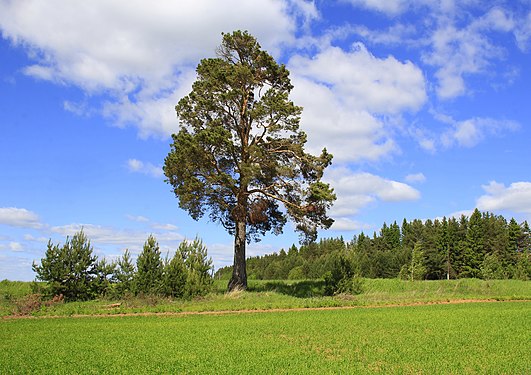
column 239, row 269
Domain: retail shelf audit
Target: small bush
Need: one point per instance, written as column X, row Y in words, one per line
column 343, row 279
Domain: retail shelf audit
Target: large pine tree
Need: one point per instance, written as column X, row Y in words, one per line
column 239, row 154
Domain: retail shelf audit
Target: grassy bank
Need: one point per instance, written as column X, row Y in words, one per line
column 459, row 339
column 280, row 295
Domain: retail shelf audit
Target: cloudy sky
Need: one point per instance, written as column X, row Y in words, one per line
column 425, row 105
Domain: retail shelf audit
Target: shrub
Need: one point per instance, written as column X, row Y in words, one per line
column 491, row 268
column 296, row 273
column 343, row 278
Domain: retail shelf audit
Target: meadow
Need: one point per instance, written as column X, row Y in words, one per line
column 266, row 295
column 430, row 339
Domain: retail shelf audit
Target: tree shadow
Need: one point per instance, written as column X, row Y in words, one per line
column 299, row 289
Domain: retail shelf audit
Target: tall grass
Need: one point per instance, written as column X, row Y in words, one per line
column 288, row 294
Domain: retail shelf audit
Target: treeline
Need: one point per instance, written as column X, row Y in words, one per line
column 74, row 272
column 483, row 245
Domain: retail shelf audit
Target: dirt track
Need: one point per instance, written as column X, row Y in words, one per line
column 255, row 311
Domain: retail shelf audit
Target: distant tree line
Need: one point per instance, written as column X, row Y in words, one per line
column 73, row 271
column 483, row 245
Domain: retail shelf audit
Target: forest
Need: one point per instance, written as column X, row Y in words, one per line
column 483, row 245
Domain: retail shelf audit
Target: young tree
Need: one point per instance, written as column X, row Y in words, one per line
column 105, row 277
column 149, row 275
column 415, row 270
column 175, row 275
column 198, row 267
column 70, row 269
column 124, row 274
column 343, row 277
column 239, row 154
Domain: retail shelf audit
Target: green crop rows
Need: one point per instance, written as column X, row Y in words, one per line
column 481, row 338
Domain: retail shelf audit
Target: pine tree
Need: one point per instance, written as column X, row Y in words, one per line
column 70, row 270
column 175, row 276
column 239, row 154
column 198, row 266
column 150, row 268
column 125, row 273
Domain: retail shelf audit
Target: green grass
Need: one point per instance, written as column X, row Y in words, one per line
column 480, row 338
column 284, row 295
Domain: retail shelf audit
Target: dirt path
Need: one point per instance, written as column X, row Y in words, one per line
column 260, row 311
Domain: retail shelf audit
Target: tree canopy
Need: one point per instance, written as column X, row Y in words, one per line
column 430, row 249
column 239, row 154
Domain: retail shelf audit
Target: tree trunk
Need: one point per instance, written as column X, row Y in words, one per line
column 239, row 270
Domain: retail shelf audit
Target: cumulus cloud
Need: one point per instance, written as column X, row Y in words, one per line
column 356, row 190
column 141, row 53
column 363, row 81
column 342, row 104
column 137, row 166
column 516, row 197
column 455, row 44
column 19, row 217
column 470, row 132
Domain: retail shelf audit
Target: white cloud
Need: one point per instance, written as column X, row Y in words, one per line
column 470, row 132
column 15, row 246
column 15, row 268
column 347, row 224
column 169, row 227
column 107, row 239
column 396, row 34
column 516, row 197
column 139, row 52
column 458, row 38
column 341, row 105
column 457, row 215
column 390, row 7
column 137, row 218
column 364, row 82
column 459, row 51
column 416, row 177
column 522, row 33
column 19, row 217
column 137, row 166
column 356, row 190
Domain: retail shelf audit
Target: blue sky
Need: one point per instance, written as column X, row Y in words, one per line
column 424, row 104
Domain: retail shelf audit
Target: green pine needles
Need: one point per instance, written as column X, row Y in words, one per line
column 239, row 154
column 71, row 270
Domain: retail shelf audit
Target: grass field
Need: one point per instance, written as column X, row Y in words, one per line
column 282, row 295
column 478, row 338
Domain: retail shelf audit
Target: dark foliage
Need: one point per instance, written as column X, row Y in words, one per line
column 72, row 272
column 484, row 245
